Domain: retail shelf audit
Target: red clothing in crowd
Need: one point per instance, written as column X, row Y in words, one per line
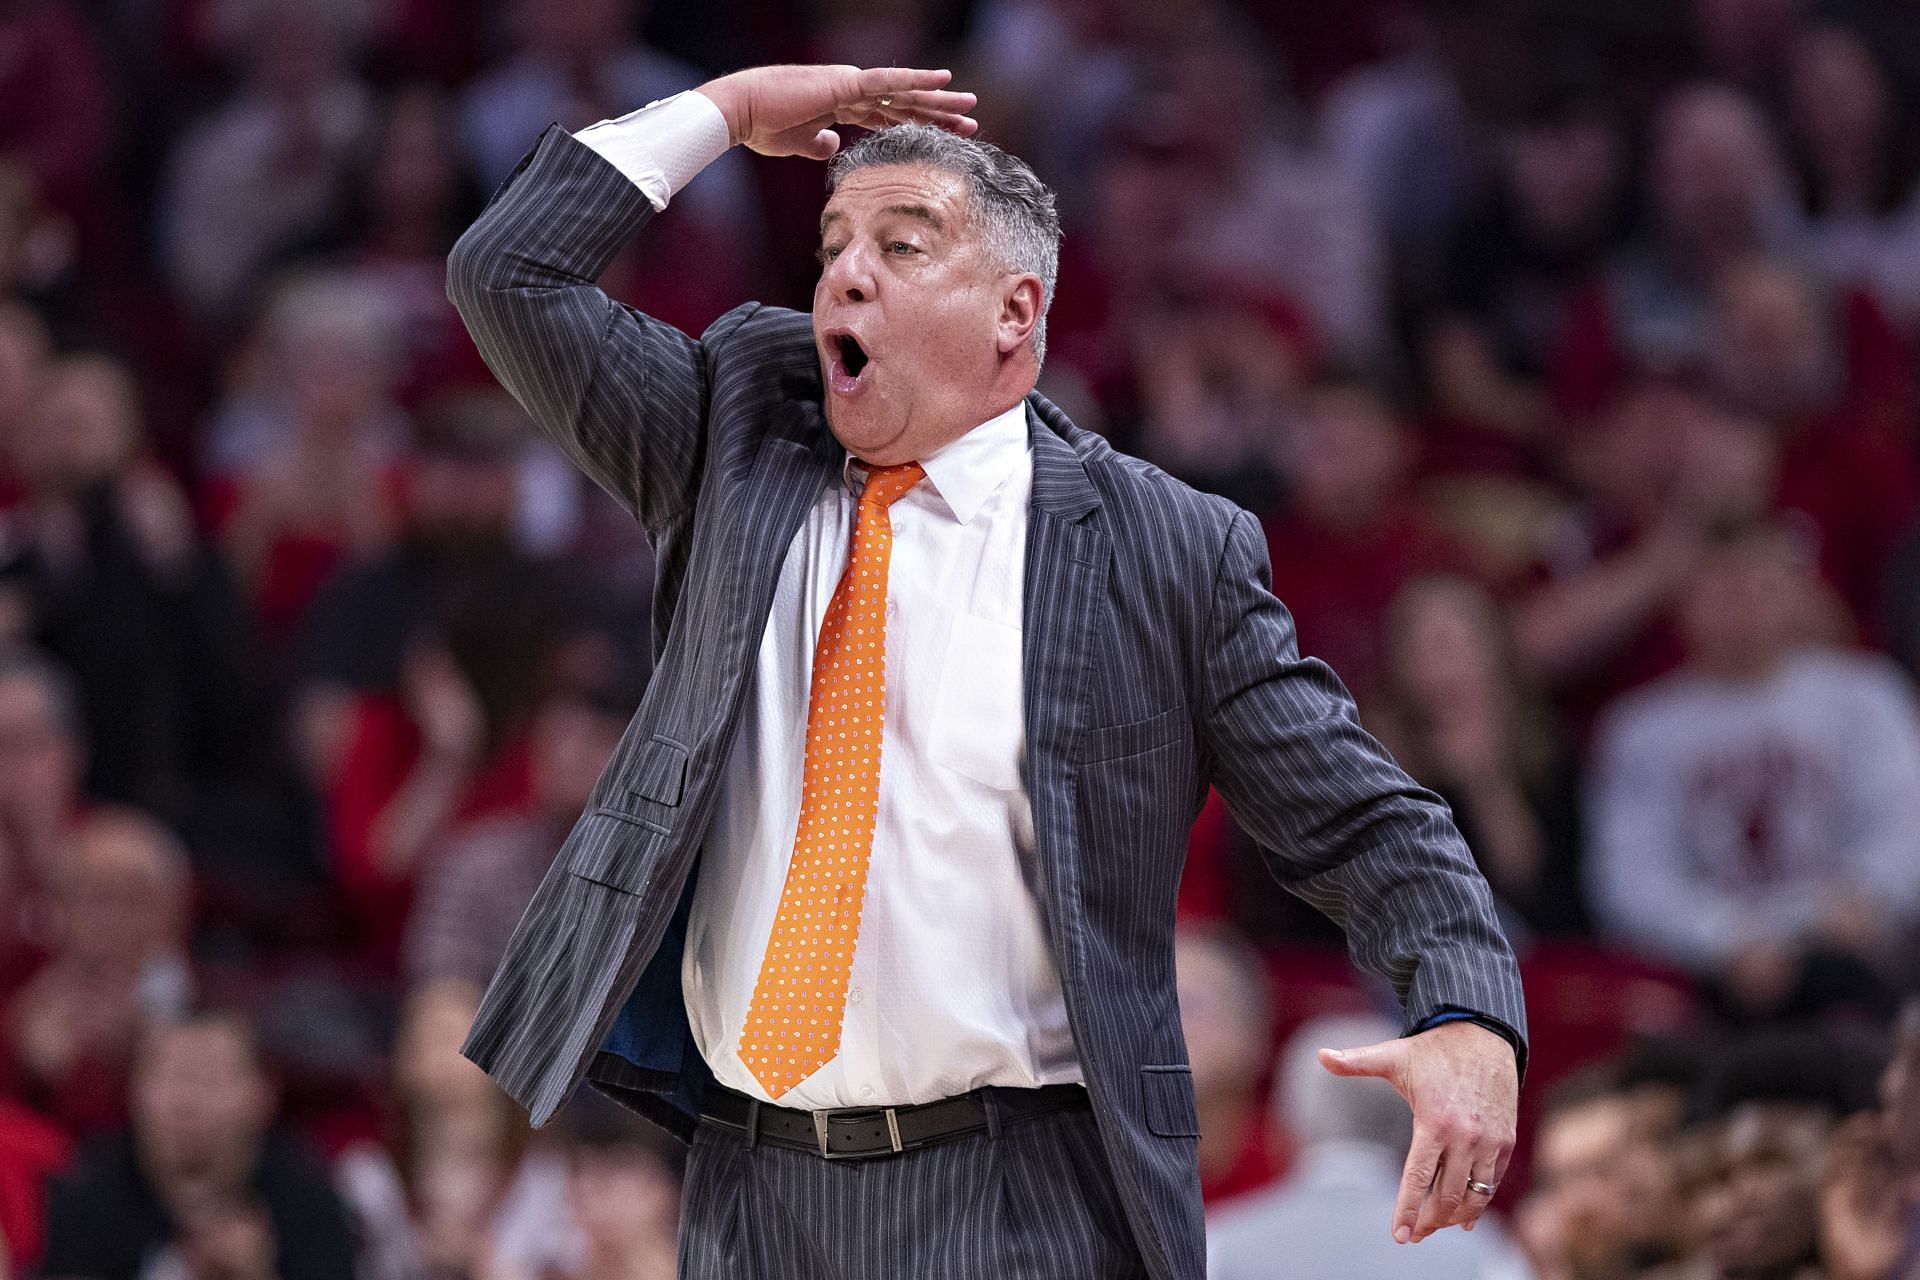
column 383, row 748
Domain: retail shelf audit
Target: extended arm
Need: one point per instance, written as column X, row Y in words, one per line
column 1351, row 833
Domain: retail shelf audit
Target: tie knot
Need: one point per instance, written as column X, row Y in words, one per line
column 886, row 484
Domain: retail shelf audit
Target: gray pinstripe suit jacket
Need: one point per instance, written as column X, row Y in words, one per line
column 1155, row 660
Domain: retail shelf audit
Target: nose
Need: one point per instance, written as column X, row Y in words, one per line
column 849, row 277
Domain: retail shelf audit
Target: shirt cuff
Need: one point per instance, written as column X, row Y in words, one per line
column 1493, row 1024
column 663, row 145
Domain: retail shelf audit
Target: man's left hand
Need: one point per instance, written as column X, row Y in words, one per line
column 1464, row 1087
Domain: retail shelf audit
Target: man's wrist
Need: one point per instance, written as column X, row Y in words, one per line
column 1452, row 1013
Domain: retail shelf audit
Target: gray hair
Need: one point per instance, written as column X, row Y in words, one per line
column 1317, row 1107
column 1012, row 207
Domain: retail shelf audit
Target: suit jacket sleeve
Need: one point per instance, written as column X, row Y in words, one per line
column 620, row 393
column 1342, row 825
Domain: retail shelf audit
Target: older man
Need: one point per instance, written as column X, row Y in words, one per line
column 942, row 682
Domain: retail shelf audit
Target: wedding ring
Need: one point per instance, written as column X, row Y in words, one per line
column 1481, row 1188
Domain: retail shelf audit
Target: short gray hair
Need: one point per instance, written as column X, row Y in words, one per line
column 1013, row 208
column 1318, row 1107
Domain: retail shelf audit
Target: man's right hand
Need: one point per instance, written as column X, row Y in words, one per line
column 791, row 110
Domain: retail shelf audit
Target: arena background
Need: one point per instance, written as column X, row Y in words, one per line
column 1565, row 350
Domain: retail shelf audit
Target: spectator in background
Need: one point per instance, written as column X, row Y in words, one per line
column 456, row 1189
column 1858, row 165
column 25, row 351
column 1215, row 370
column 623, row 1195
column 1454, row 713
column 1746, row 43
column 303, row 457
column 1271, row 210
column 478, row 885
column 56, row 107
column 1751, row 1196
column 43, row 764
column 203, row 1187
column 1844, row 455
column 1870, row 1193
column 576, row 62
column 1653, row 481
column 1351, row 1136
column 1755, row 817
column 1719, row 196
column 1558, row 208
column 1350, row 535
column 418, row 687
column 1226, row 1014
column 120, row 588
column 404, row 201
column 1602, row 1202
column 266, row 168
column 118, row 965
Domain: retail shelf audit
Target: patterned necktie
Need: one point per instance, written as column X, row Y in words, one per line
column 799, row 1000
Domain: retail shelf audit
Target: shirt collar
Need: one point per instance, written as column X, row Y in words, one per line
column 965, row 472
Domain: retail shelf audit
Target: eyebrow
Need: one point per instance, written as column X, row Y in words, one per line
column 920, row 211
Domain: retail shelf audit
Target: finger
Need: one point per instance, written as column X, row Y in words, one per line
column 1423, row 1165
column 1383, row 1060
column 932, row 102
column 874, row 82
column 1485, row 1171
column 1448, row 1195
column 824, row 146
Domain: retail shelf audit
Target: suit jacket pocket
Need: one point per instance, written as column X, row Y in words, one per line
column 1136, row 737
column 615, row 849
column 658, row 771
column 1167, row 1098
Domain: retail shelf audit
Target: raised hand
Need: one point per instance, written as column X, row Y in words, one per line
column 791, row 110
column 1464, row 1087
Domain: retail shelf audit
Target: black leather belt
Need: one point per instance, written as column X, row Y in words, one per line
column 858, row 1133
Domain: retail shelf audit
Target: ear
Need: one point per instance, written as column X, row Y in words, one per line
column 1019, row 312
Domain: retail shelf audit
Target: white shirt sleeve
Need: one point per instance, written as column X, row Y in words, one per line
column 663, row 145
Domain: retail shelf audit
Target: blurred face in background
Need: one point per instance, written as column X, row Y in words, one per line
column 1775, row 351
column 1838, row 96
column 624, row 1199
column 201, row 1102
column 1347, row 457
column 1757, row 1212
column 572, row 742
column 1223, row 1012
column 1603, row 1186
column 1565, row 177
column 1445, row 644
column 124, row 896
column 1714, row 172
column 40, row 760
column 1745, row 609
column 413, row 179
column 427, row 1066
column 460, row 501
column 85, row 428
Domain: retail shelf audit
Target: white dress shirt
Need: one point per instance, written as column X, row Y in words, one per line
column 953, row 986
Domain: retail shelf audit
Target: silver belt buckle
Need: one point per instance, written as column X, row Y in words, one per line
column 820, row 1136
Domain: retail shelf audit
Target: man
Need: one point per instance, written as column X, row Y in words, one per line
column 958, row 962
column 1755, row 816
column 1349, row 1137
column 204, row 1186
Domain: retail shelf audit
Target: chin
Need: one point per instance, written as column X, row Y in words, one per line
column 866, row 434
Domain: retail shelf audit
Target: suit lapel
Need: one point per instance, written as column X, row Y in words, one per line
column 1066, row 576
column 794, row 460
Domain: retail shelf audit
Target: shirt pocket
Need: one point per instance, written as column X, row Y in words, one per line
column 978, row 723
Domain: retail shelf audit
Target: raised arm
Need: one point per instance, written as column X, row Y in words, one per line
column 622, row 394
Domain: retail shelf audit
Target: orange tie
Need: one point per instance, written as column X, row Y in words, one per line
column 800, row 998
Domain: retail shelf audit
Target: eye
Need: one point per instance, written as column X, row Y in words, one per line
column 826, row 253
column 901, row 247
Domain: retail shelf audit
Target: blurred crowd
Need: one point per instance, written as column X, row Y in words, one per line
column 1567, row 353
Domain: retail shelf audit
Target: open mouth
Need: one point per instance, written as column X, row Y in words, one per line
column 850, row 362
column 852, row 354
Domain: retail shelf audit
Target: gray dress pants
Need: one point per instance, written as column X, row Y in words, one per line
column 1034, row 1203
